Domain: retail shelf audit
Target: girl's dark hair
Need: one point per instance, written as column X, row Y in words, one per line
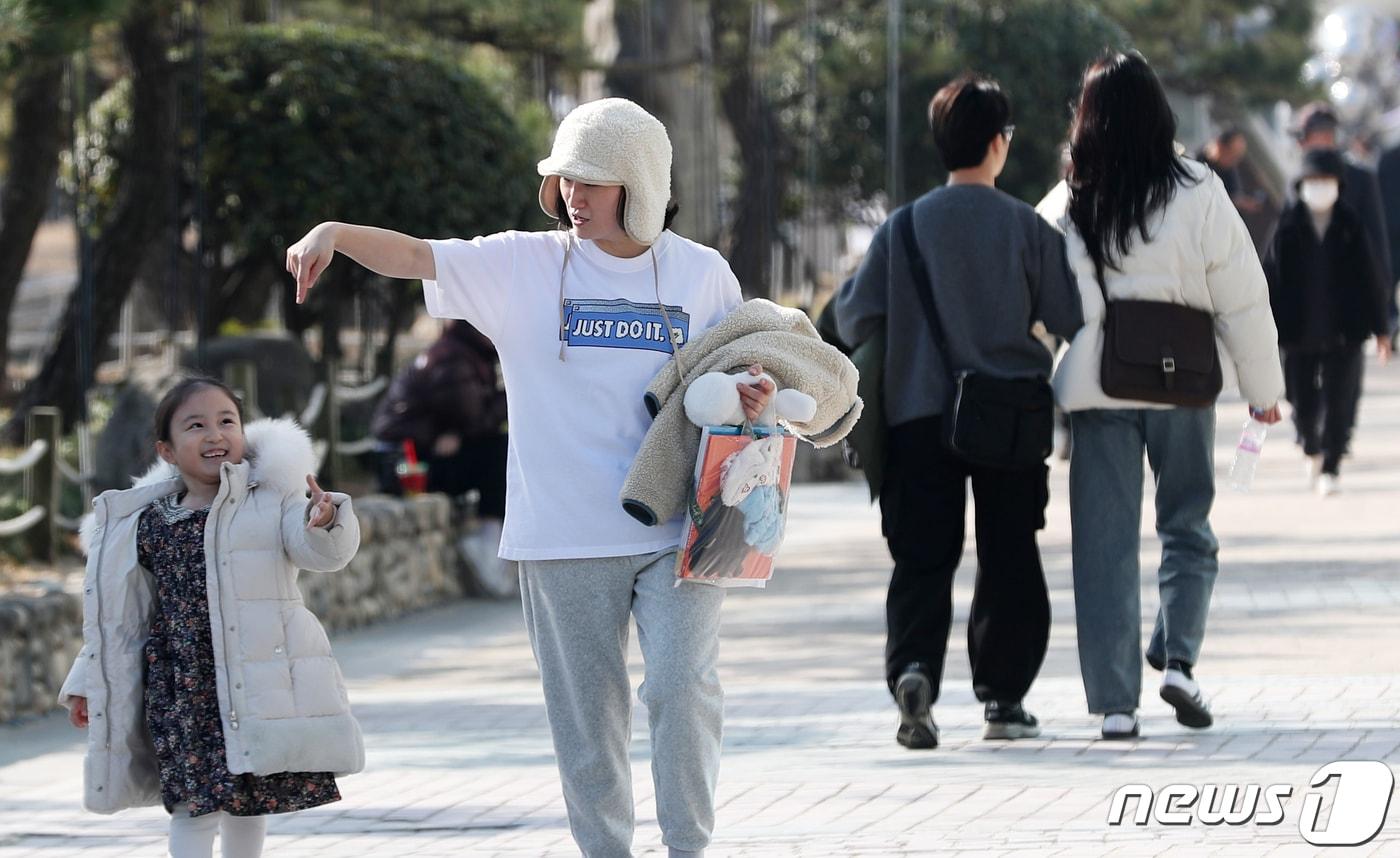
column 1124, row 167
column 165, row 411
column 964, row 116
column 561, row 218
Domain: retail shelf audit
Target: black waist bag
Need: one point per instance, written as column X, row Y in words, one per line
column 1159, row 352
column 1006, row 423
column 1000, row 422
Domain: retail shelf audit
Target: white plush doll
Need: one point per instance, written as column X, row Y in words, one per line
column 713, row 400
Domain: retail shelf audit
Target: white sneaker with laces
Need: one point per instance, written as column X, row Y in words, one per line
column 1120, row 725
column 1184, row 695
column 1329, row 485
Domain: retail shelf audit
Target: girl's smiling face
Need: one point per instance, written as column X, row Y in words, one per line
column 204, row 431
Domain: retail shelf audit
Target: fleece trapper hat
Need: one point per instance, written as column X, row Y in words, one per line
column 613, row 141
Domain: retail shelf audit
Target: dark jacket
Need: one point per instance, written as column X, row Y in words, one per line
column 1347, row 259
column 1388, row 173
column 1362, row 191
column 451, row 388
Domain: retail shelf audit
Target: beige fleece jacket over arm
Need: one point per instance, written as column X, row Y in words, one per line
column 785, row 342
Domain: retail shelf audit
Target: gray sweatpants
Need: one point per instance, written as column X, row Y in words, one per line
column 576, row 612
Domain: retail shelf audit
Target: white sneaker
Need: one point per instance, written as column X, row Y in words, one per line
column 1313, row 469
column 1328, row 485
column 1120, row 725
column 1184, row 695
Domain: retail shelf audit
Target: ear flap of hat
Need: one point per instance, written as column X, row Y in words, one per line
column 549, row 195
column 649, row 185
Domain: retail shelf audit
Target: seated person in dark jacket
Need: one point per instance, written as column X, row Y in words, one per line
column 450, row 404
column 1328, row 298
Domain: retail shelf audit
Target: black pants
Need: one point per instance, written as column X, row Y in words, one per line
column 1325, row 389
column 923, row 511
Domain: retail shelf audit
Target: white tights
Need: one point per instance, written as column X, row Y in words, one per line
column 193, row 837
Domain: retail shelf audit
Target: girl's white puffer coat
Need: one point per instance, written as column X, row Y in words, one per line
column 280, row 691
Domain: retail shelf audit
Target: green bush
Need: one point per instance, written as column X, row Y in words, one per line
column 312, row 123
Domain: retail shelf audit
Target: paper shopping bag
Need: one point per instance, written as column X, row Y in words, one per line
column 737, row 507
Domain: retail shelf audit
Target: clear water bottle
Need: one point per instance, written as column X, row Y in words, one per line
column 1247, row 454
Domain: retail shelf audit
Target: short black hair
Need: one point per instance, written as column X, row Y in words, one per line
column 1229, row 134
column 965, row 115
column 176, row 396
column 1323, row 162
column 1317, row 116
column 561, row 210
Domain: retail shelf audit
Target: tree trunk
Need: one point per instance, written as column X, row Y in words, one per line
column 668, row 69
column 35, row 143
column 765, row 154
column 138, row 216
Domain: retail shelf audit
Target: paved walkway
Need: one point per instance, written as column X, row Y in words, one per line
column 1301, row 662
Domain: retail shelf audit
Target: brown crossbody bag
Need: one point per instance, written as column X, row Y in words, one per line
column 1156, row 351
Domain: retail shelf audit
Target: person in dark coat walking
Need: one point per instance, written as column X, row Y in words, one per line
column 1361, row 189
column 1327, row 301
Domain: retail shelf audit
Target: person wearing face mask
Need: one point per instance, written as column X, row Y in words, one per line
column 1327, row 300
column 1363, row 189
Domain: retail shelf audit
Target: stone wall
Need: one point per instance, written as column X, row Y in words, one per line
column 407, row 560
column 41, row 630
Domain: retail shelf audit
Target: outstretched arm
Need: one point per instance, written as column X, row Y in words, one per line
column 382, row 251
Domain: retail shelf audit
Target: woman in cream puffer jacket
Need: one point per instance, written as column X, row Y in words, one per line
column 281, row 696
column 1157, row 227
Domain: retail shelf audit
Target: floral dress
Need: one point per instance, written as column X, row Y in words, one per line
column 182, row 706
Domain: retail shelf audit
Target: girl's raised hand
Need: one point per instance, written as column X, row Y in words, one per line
column 322, row 510
column 309, row 257
column 78, row 714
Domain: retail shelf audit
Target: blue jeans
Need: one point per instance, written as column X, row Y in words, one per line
column 1105, row 495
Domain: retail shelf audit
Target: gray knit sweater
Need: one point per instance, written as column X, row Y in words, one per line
column 996, row 267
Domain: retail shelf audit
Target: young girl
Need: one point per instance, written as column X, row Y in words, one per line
column 204, row 682
column 583, row 318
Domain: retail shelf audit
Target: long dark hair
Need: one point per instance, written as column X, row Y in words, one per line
column 1124, row 165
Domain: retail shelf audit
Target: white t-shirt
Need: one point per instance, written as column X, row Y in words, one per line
column 576, row 425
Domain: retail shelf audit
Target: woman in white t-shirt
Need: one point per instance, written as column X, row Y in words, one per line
column 580, row 316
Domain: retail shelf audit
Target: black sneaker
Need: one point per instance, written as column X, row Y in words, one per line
column 1009, row 721
column 914, row 694
column 1184, row 694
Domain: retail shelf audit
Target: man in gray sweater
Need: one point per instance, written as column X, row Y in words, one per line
column 996, row 269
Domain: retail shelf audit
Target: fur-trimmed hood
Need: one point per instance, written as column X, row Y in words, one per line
column 278, row 454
